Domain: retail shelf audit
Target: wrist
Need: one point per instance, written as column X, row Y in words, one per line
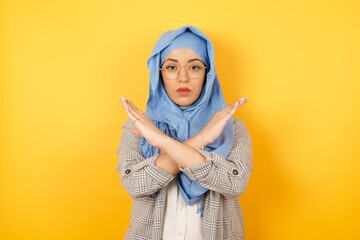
column 201, row 140
column 163, row 142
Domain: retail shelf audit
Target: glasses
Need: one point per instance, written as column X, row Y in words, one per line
column 194, row 70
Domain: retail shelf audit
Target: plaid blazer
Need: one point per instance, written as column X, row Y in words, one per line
column 225, row 178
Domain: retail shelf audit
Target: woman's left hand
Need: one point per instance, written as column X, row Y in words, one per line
column 217, row 123
column 144, row 126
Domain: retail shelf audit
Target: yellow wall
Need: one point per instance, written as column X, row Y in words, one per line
column 64, row 65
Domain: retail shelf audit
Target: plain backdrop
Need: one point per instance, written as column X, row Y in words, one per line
column 65, row 64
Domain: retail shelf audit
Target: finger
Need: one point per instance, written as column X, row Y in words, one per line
column 226, row 109
column 230, row 112
column 123, row 102
column 132, row 116
column 126, row 106
column 229, row 109
column 233, row 110
column 138, row 113
column 238, row 104
column 134, row 110
column 130, row 110
column 242, row 101
column 133, row 107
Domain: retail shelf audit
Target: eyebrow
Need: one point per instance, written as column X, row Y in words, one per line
column 190, row 60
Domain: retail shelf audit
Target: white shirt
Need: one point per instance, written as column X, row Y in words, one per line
column 181, row 222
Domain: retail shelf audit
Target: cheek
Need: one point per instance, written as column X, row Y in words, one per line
column 168, row 86
column 199, row 87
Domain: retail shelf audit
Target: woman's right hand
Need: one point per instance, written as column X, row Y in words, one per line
column 143, row 125
column 217, row 123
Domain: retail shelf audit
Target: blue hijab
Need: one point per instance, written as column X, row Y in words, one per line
column 183, row 123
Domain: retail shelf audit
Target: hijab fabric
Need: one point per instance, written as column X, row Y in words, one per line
column 183, row 123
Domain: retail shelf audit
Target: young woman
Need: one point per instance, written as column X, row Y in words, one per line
column 187, row 159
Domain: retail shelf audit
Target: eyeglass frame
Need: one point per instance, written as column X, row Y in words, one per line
column 186, row 70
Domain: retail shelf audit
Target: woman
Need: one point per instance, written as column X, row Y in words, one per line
column 187, row 159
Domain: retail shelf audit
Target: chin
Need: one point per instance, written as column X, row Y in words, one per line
column 185, row 104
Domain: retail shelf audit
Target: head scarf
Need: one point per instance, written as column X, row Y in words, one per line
column 190, row 41
column 183, row 123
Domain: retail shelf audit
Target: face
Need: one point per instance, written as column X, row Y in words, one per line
column 184, row 87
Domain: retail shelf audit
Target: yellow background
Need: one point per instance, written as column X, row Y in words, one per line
column 64, row 65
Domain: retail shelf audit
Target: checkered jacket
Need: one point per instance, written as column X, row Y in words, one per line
column 225, row 178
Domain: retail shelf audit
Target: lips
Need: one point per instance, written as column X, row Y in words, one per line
column 183, row 91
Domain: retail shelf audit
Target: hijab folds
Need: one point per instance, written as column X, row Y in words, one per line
column 183, row 123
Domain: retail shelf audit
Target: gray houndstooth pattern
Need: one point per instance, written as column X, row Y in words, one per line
column 225, row 178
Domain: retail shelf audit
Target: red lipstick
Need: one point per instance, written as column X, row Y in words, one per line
column 183, row 91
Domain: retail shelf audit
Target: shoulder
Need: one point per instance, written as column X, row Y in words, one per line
column 129, row 124
column 239, row 124
column 127, row 129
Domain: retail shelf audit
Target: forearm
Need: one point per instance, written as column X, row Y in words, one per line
column 140, row 177
column 183, row 154
column 165, row 161
column 226, row 175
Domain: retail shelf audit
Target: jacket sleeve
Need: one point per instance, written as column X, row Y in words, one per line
column 227, row 176
column 140, row 176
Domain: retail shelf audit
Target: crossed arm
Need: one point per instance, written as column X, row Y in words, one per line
column 176, row 154
column 229, row 176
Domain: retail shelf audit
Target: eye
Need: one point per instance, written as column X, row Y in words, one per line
column 194, row 68
column 171, row 68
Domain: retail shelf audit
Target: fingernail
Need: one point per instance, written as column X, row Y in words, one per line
column 124, row 102
column 236, row 103
column 242, row 100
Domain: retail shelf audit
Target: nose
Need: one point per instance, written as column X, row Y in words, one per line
column 182, row 75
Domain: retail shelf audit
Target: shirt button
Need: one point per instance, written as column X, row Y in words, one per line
column 235, row 172
column 127, row 171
